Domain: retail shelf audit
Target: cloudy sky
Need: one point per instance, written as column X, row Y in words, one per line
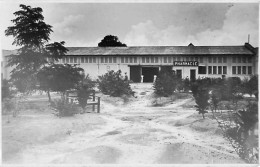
column 145, row 24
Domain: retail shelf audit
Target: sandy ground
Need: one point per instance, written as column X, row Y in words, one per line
column 127, row 131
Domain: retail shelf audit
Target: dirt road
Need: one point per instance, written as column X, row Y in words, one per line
column 129, row 131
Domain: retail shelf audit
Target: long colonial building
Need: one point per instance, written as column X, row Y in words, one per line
column 142, row 63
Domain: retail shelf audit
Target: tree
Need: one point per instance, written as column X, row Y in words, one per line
column 165, row 83
column 111, row 41
column 114, row 84
column 59, row 78
column 31, row 33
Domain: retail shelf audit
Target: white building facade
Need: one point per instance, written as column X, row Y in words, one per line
column 146, row 61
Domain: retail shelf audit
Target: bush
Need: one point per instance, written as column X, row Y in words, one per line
column 6, row 89
column 166, row 83
column 200, row 93
column 114, row 84
column 64, row 109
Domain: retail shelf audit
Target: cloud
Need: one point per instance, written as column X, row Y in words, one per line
column 69, row 25
column 240, row 20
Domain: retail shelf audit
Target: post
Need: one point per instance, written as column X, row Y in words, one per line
column 142, row 78
column 98, row 107
column 94, row 96
column 154, row 78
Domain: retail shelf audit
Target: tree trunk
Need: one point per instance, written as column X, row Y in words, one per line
column 49, row 95
column 203, row 116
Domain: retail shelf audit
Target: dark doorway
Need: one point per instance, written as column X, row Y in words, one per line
column 179, row 73
column 135, row 73
column 192, row 75
column 149, row 72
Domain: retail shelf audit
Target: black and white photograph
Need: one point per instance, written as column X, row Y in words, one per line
column 129, row 83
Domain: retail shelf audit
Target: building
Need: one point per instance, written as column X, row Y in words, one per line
column 142, row 63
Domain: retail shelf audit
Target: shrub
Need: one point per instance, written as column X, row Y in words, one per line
column 114, row 84
column 7, row 92
column 200, row 93
column 64, row 109
column 166, row 83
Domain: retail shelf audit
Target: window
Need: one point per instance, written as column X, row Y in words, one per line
column 165, row 59
column 71, row 59
column 114, row 59
column 214, row 60
column 63, row 60
column 75, row 59
column 224, row 59
column 179, row 58
column 82, row 59
column 233, row 59
column 169, row 59
column 90, row 59
column 214, row 69
column 187, row 59
column 126, row 59
column 244, row 59
column 152, row 59
column 143, row 59
column 106, row 59
column 173, row 59
column 249, row 70
column 234, row 70
column 210, row 59
column 249, row 59
column 238, row 69
column 224, row 69
column 67, row 59
column 219, row 69
column 210, row 69
column 196, row 59
column 102, row 60
column 202, row 70
column 131, row 60
column 147, row 59
column 94, row 59
column 156, row 59
column 201, row 59
column 239, row 59
column 244, row 69
column 110, row 59
column 135, row 59
column 122, row 60
column 86, row 59
column 219, row 59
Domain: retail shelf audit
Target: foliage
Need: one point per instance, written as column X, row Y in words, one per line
column 251, row 86
column 114, row 84
column 59, row 77
column 85, row 88
column 200, row 93
column 215, row 99
column 32, row 34
column 111, row 41
column 64, row 109
column 166, row 83
column 7, row 92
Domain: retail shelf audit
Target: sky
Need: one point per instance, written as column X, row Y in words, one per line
column 144, row 24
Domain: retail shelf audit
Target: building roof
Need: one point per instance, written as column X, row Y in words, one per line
column 154, row 50
column 160, row 50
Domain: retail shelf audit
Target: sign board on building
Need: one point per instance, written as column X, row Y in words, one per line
column 186, row 63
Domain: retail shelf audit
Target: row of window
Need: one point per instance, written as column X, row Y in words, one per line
column 239, row 59
column 217, row 70
column 172, row 59
column 242, row 70
column 217, row 59
column 235, row 59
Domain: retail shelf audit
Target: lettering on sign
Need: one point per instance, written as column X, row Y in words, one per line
column 186, row 63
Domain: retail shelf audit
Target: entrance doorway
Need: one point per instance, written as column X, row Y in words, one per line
column 149, row 72
column 192, row 75
column 135, row 73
